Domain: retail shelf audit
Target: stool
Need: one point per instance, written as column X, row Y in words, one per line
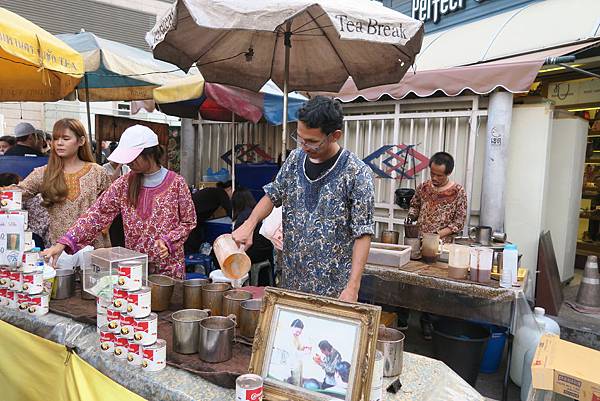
column 255, row 272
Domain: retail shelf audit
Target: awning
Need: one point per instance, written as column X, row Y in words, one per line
column 514, row 74
column 501, row 51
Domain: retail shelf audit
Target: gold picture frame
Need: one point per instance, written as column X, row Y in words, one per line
column 333, row 322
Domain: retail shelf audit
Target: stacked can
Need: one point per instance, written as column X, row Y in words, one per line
column 22, row 287
column 131, row 329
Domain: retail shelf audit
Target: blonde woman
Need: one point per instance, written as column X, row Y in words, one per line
column 71, row 181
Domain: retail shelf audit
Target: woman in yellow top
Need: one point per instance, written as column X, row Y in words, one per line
column 71, row 181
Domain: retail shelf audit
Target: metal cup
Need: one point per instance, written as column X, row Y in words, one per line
column 216, row 338
column 232, row 302
column 64, row 284
column 212, row 297
column 415, row 247
column 192, row 293
column 390, row 237
column 186, row 331
column 162, row 291
column 391, row 343
column 249, row 313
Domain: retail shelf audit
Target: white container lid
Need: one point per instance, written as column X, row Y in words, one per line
column 217, row 276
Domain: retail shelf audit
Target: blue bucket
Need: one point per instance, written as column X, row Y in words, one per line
column 191, row 276
column 494, row 350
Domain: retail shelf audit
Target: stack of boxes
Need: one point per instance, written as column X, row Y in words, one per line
column 128, row 329
column 21, row 266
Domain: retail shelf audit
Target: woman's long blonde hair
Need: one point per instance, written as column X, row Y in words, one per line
column 54, row 188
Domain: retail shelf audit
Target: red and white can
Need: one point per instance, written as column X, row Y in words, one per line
column 33, row 283
column 39, row 304
column 102, row 305
column 146, row 330
column 101, row 320
column 121, row 347
column 107, row 340
column 249, row 387
column 120, row 299
column 155, row 356
column 130, row 275
column 3, row 300
column 30, row 261
column 127, row 326
column 4, row 277
column 138, row 302
column 113, row 315
column 134, row 355
column 22, row 301
column 12, row 298
column 16, row 280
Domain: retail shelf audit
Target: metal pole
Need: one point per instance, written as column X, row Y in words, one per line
column 233, row 151
column 286, row 76
column 87, row 106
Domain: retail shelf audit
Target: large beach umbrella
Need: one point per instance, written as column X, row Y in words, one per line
column 34, row 65
column 305, row 45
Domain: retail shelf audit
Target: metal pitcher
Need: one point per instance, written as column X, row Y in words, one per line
column 390, row 237
column 391, row 343
column 192, row 293
column 216, row 338
column 249, row 313
column 186, row 331
column 232, row 301
column 162, row 291
column 481, row 235
column 212, row 297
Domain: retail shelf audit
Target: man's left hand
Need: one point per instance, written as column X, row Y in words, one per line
column 349, row 295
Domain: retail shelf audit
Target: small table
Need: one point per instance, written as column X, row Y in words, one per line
column 408, row 287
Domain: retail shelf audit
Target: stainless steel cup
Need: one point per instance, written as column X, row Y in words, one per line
column 391, row 343
column 212, row 297
column 186, row 330
column 232, row 303
column 249, row 314
column 162, row 291
column 216, row 338
column 64, row 284
column 192, row 292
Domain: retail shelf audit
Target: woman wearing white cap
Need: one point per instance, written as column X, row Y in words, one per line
column 156, row 205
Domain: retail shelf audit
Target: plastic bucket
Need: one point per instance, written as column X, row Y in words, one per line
column 494, row 350
column 460, row 345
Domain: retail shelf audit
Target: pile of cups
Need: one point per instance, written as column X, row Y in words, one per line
column 128, row 329
column 23, row 287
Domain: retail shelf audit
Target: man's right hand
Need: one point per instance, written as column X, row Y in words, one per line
column 53, row 253
column 243, row 235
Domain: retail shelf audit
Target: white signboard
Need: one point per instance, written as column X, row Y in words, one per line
column 574, row 92
column 12, row 239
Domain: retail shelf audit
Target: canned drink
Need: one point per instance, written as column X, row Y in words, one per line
column 101, row 320
column 120, row 299
column 4, row 277
column 113, row 315
column 146, row 330
column 3, row 300
column 155, row 356
column 22, row 301
column 377, row 381
column 130, row 275
column 33, row 283
column 134, row 354
column 127, row 326
column 138, row 302
column 107, row 340
column 121, row 347
column 12, row 298
column 16, row 280
column 39, row 304
column 102, row 305
column 30, row 261
column 249, row 387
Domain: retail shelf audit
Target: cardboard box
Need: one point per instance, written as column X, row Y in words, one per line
column 566, row 368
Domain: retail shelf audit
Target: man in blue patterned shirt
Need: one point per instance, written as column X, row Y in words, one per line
column 328, row 199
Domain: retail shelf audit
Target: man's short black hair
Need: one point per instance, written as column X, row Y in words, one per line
column 343, row 369
column 325, row 346
column 11, row 140
column 322, row 112
column 297, row 323
column 445, row 159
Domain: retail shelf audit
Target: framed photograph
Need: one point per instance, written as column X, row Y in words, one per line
column 309, row 347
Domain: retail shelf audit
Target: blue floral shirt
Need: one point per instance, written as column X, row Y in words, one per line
column 321, row 220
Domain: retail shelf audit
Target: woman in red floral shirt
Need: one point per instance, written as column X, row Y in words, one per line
column 156, row 205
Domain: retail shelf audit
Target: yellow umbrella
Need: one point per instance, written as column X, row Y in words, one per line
column 34, row 65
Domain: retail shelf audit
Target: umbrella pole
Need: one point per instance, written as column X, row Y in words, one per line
column 87, row 107
column 286, row 76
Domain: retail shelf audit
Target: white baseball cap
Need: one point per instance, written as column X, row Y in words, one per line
column 133, row 141
column 23, row 129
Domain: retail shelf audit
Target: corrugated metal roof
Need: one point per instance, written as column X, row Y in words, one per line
column 69, row 16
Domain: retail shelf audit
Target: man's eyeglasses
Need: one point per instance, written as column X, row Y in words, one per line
column 306, row 145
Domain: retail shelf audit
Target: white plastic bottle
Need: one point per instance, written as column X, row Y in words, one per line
column 510, row 259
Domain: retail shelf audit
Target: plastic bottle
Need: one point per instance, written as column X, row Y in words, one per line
column 510, row 258
column 526, row 375
column 528, row 336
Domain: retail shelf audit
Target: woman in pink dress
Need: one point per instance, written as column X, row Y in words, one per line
column 156, row 205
